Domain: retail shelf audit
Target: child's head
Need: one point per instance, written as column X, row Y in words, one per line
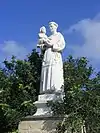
column 43, row 30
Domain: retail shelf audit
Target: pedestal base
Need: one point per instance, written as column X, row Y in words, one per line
column 41, row 104
column 42, row 121
column 39, row 124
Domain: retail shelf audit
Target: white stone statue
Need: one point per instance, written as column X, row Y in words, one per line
column 52, row 65
column 42, row 37
column 50, row 85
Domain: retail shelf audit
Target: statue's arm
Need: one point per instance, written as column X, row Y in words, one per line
column 60, row 45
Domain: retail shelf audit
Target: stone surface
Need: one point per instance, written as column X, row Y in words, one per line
column 51, row 84
column 52, row 81
column 52, row 66
column 46, row 97
column 41, row 104
column 39, row 124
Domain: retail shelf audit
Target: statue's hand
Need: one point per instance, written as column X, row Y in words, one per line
column 48, row 43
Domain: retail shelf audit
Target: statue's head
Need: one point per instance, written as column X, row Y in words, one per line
column 53, row 26
column 43, row 30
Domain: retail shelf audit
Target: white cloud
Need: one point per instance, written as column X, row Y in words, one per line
column 89, row 29
column 10, row 48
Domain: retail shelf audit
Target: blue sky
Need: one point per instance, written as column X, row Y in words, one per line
column 79, row 22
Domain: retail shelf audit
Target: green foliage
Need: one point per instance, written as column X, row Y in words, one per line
column 60, row 128
column 81, row 103
column 19, row 88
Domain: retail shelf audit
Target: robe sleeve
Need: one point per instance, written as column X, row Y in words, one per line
column 59, row 45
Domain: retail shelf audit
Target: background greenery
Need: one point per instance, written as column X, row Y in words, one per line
column 19, row 88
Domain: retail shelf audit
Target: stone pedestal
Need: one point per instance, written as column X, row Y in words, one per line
column 39, row 124
column 42, row 121
column 41, row 104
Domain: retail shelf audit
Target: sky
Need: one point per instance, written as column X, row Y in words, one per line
column 78, row 20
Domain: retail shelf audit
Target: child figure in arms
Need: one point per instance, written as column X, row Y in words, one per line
column 43, row 38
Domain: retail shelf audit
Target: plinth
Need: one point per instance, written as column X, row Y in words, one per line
column 42, row 121
column 37, row 124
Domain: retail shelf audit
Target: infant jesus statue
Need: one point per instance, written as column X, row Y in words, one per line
column 43, row 38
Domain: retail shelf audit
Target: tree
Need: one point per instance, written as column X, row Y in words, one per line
column 81, row 101
column 19, row 89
